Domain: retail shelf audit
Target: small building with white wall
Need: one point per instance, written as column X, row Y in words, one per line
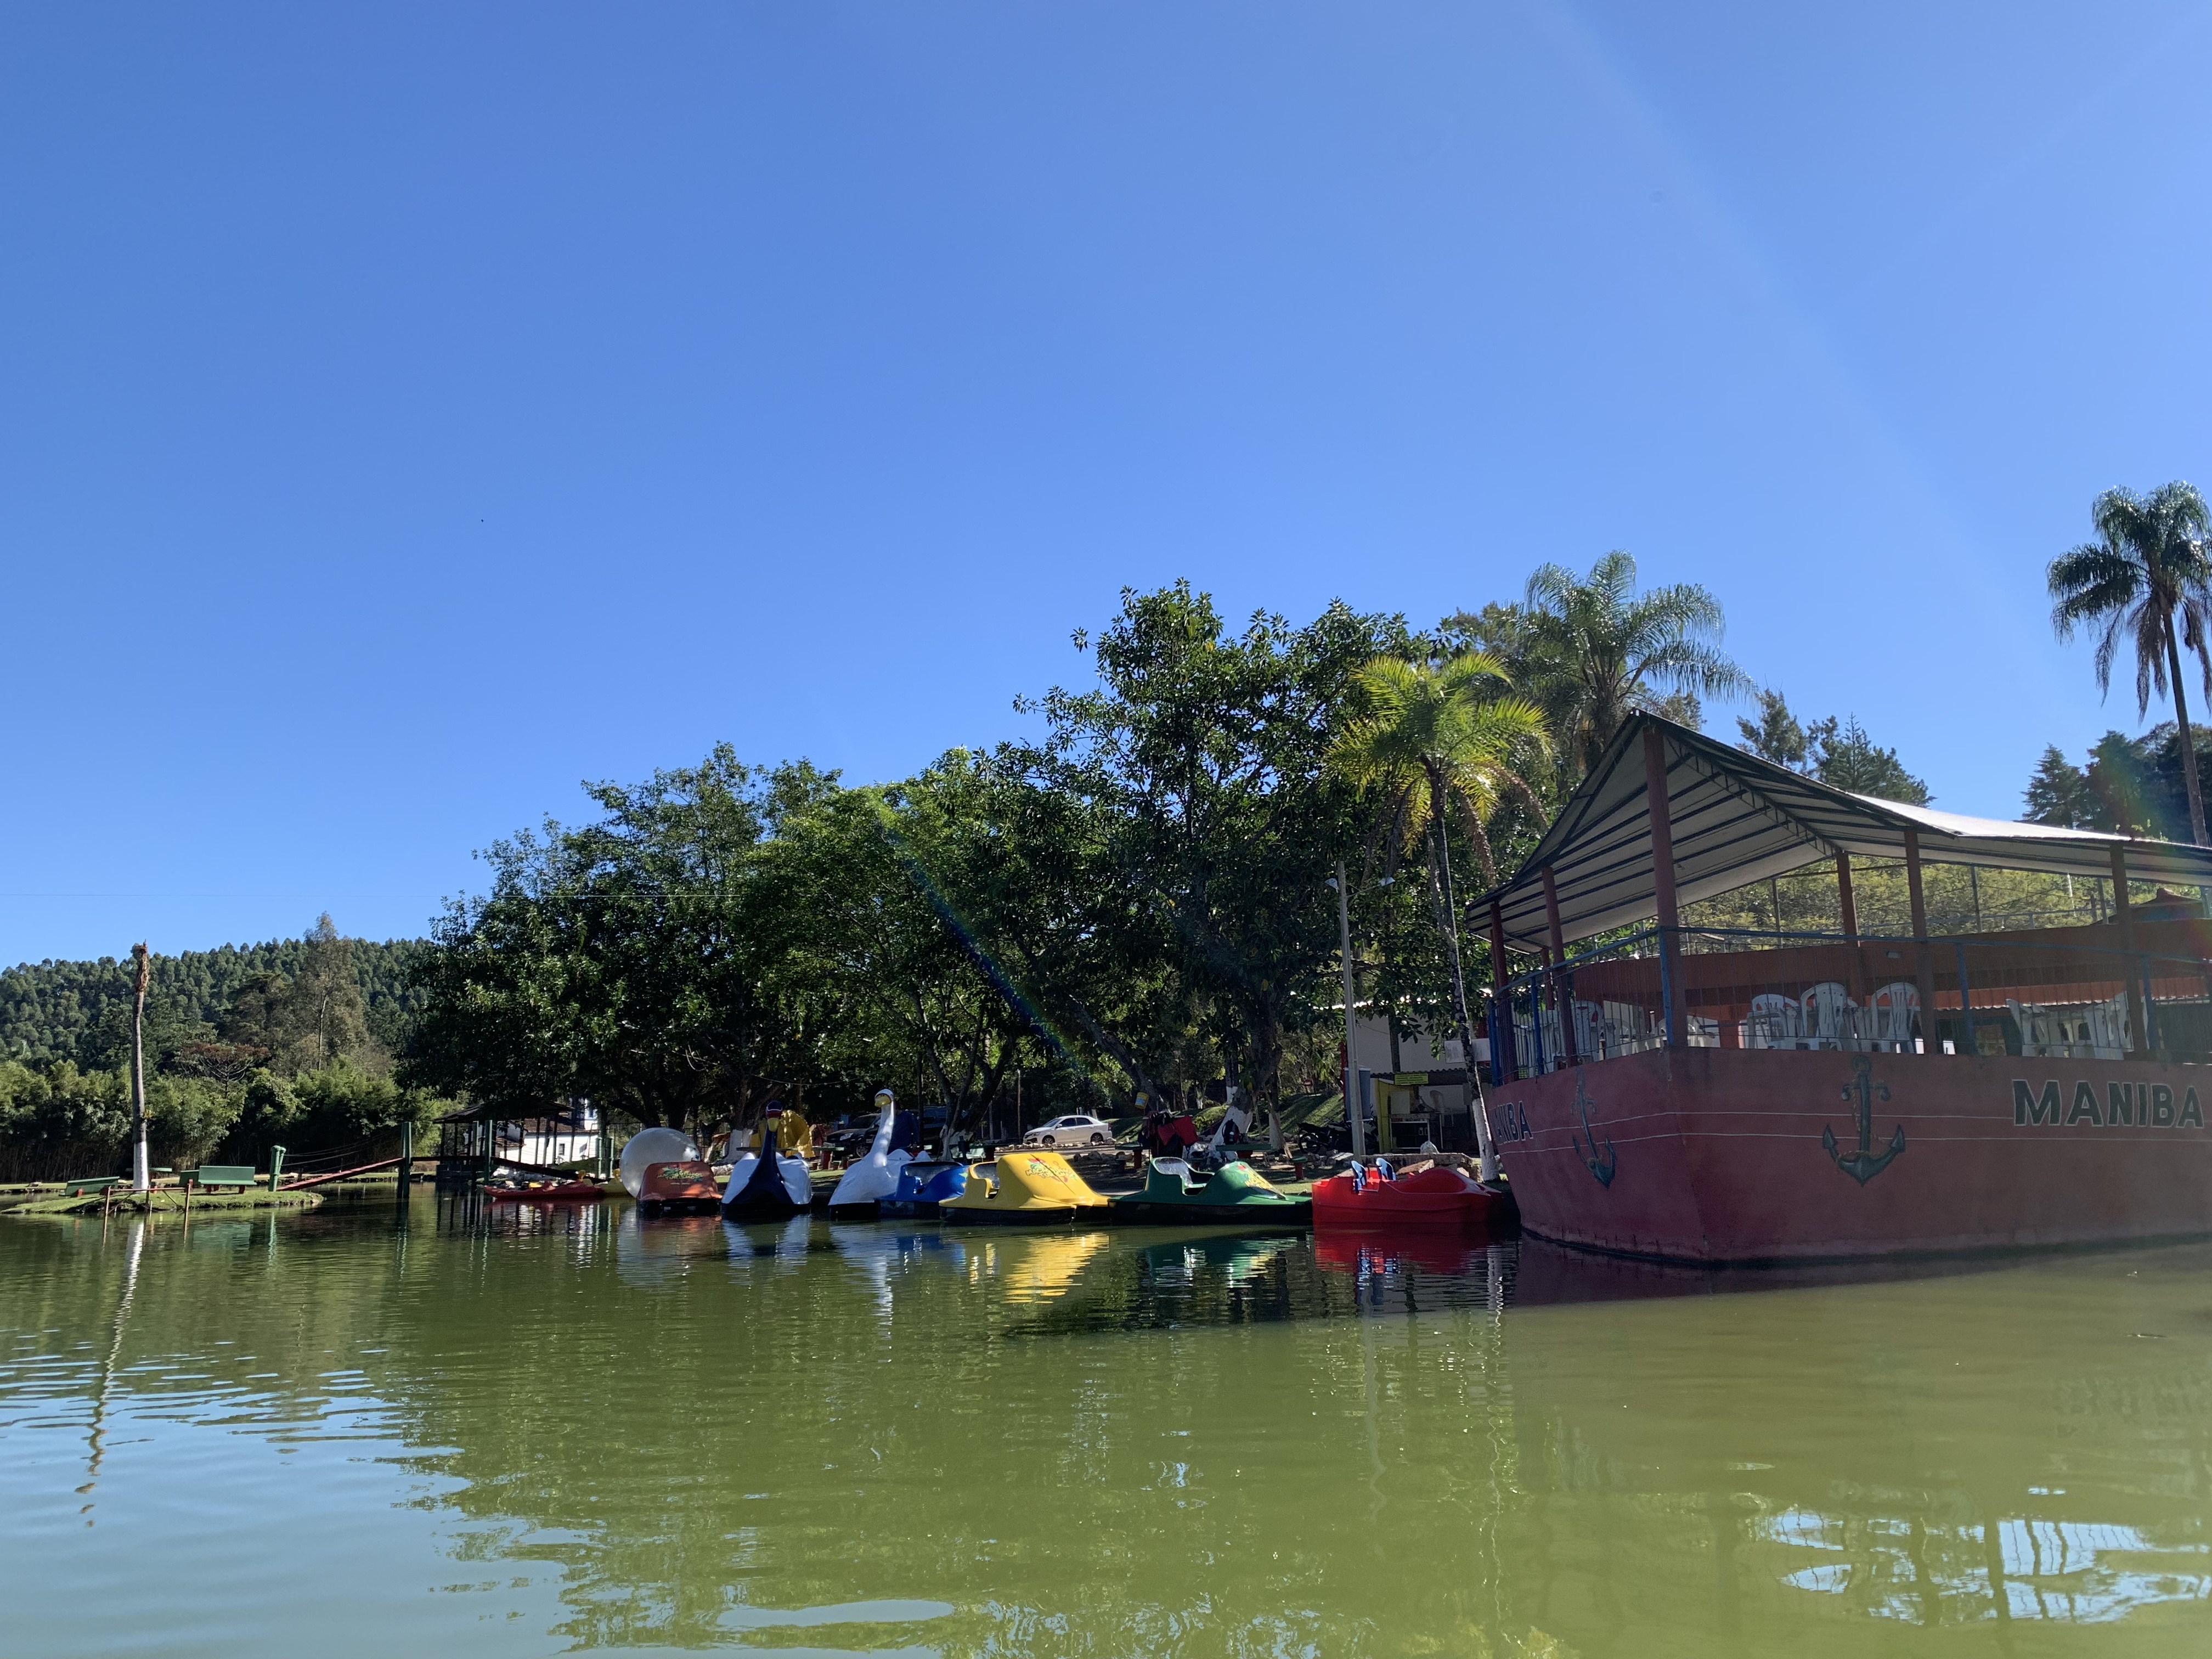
column 1418, row 1080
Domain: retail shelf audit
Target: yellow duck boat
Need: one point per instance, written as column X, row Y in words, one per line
column 1022, row 1187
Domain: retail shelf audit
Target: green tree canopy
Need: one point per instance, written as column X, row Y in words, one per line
column 1203, row 754
column 1597, row 651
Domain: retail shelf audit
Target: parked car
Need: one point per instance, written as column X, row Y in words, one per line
column 1076, row 1131
column 843, row 1145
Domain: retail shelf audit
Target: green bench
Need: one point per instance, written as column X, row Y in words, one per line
column 222, row 1175
column 83, row 1184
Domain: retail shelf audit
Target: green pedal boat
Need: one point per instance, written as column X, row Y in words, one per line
column 1237, row 1192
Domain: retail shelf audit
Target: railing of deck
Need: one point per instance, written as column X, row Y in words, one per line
column 1724, row 988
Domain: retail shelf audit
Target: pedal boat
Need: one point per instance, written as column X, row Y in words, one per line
column 862, row 1188
column 1175, row 1192
column 764, row 1186
column 1425, row 1194
column 1022, row 1188
column 678, row 1187
column 922, row 1187
column 544, row 1191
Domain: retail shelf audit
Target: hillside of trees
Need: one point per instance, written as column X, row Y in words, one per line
column 290, row 1041
column 52, row 1011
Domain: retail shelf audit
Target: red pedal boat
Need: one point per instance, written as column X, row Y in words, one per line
column 547, row 1192
column 1423, row 1194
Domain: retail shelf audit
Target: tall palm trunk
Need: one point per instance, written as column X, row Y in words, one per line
column 1448, row 925
column 2188, row 742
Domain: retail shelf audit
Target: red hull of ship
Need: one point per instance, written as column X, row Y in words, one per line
column 1718, row 1155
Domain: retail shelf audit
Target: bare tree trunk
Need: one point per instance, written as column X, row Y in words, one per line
column 1265, row 1049
column 1447, row 923
column 1118, row 1051
column 2188, row 739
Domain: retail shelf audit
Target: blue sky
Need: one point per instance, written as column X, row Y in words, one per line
column 408, row 411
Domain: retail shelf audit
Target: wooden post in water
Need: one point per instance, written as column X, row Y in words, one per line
column 1923, row 968
column 142, row 1176
column 1658, row 805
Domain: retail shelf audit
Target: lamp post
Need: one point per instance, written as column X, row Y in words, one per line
column 142, row 1177
column 1351, row 1111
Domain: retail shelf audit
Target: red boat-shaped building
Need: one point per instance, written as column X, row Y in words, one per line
column 1715, row 1095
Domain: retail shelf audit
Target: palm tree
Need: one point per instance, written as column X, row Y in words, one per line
column 1598, row 651
column 1433, row 741
column 2146, row 577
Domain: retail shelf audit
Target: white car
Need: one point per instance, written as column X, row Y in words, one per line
column 1077, row 1131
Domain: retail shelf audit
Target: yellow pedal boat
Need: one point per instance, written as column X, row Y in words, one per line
column 1022, row 1186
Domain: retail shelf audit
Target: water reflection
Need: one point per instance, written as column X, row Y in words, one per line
column 599, row 1429
column 1955, row 1572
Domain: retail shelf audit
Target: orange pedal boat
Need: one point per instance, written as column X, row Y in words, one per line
column 679, row 1186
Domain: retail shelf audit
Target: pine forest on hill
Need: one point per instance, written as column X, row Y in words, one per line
column 49, row 1010
column 289, row 1041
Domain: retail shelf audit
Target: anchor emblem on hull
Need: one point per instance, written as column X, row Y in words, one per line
column 1864, row 1165
column 1602, row 1168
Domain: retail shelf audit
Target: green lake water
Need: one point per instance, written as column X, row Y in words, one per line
column 348, row 1432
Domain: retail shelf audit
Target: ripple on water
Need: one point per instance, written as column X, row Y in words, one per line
column 591, row 1430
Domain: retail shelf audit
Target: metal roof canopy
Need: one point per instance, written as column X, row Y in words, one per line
column 1737, row 819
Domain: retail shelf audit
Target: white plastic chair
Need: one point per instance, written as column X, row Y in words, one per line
column 1555, row 1054
column 1828, row 1010
column 1629, row 1027
column 1890, row 1013
column 2108, row 1028
column 1595, row 1036
column 2042, row 1032
column 1775, row 1022
column 1524, row 1042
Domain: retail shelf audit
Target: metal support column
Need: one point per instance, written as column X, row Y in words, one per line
column 1658, row 804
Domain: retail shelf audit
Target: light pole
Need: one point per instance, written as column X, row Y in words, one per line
column 142, row 1178
column 1351, row 1067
